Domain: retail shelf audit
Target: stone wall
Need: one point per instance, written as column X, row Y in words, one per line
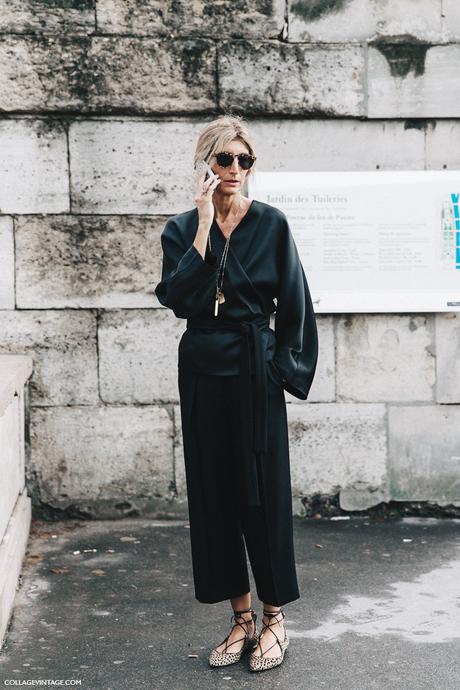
column 15, row 503
column 101, row 106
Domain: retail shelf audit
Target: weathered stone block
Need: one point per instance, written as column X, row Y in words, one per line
column 13, row 549
column 34, row 176
column 103, row 73
column 448, row 357
column 85, row 454
column 335, row 446
column 63, row 345
column 451, row 20
column 251, row 18
column 291, row 78
column 385, row 357
column 361, row 20
column 138, row 355
column 107, row 156
column 323, row 386
column 6, row 263
column 443, row 144
column 337, row 145
column 424, row 450
column 179, row 463
column 12, row 470
column 413, row 80
column 30, row 16
column 78, row 261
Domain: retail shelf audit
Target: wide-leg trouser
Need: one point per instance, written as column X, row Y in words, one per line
column 220, row 524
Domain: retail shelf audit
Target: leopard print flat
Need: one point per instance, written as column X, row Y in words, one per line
column 258, row 662
column 226, row 658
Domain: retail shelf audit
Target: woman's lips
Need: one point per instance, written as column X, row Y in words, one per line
column 231, row 181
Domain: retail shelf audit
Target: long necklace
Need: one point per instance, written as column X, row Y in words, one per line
column 220, row 297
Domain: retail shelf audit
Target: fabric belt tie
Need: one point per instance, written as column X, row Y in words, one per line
column 253, row 403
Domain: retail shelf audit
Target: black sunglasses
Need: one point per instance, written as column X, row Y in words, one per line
column 225, row 159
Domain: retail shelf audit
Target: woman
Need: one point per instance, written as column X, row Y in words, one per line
column 225, row 262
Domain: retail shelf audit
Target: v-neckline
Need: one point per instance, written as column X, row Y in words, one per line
column 238, row 224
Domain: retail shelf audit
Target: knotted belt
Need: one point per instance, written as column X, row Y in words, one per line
column 253, row 403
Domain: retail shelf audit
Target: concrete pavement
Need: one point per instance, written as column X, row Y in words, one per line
column 111, row 605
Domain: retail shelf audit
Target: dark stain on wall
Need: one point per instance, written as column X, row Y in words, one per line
column 193, row 59
column 415, row 124
column 48, row 129
column 80, row 5
column 176, row 8
column 85, row 71
column 309, row 10
column 265, row 7
column 403, row 53
column 229, row 10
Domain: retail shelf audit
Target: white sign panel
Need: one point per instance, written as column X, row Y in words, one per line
column 377, row 241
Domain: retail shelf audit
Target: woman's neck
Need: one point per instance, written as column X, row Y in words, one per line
column 228, row 206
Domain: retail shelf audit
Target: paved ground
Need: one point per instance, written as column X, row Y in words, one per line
column 111, row 604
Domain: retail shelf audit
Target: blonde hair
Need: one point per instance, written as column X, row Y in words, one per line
column 220, row 132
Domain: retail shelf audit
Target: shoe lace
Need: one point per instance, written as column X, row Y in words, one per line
column 235, row 615
column 268, row 626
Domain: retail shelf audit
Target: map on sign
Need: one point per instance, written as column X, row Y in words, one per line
column 374, row 241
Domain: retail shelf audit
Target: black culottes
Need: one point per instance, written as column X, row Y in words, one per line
column 220, row 523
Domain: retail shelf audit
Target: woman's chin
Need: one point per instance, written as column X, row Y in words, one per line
column 231, row 189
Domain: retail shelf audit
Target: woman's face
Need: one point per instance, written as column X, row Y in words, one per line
column 233, row 172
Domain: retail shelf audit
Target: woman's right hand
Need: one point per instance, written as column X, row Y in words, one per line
column 203, row 199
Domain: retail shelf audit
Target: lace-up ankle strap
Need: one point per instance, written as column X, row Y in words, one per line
column 235, row 615
column 271, row 614
column 239, row 613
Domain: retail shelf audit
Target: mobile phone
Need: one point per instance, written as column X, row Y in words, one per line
column 201, row 166
column 209, row 171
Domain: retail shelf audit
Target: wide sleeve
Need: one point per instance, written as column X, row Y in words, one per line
column 188, row 282
column 296, row 332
